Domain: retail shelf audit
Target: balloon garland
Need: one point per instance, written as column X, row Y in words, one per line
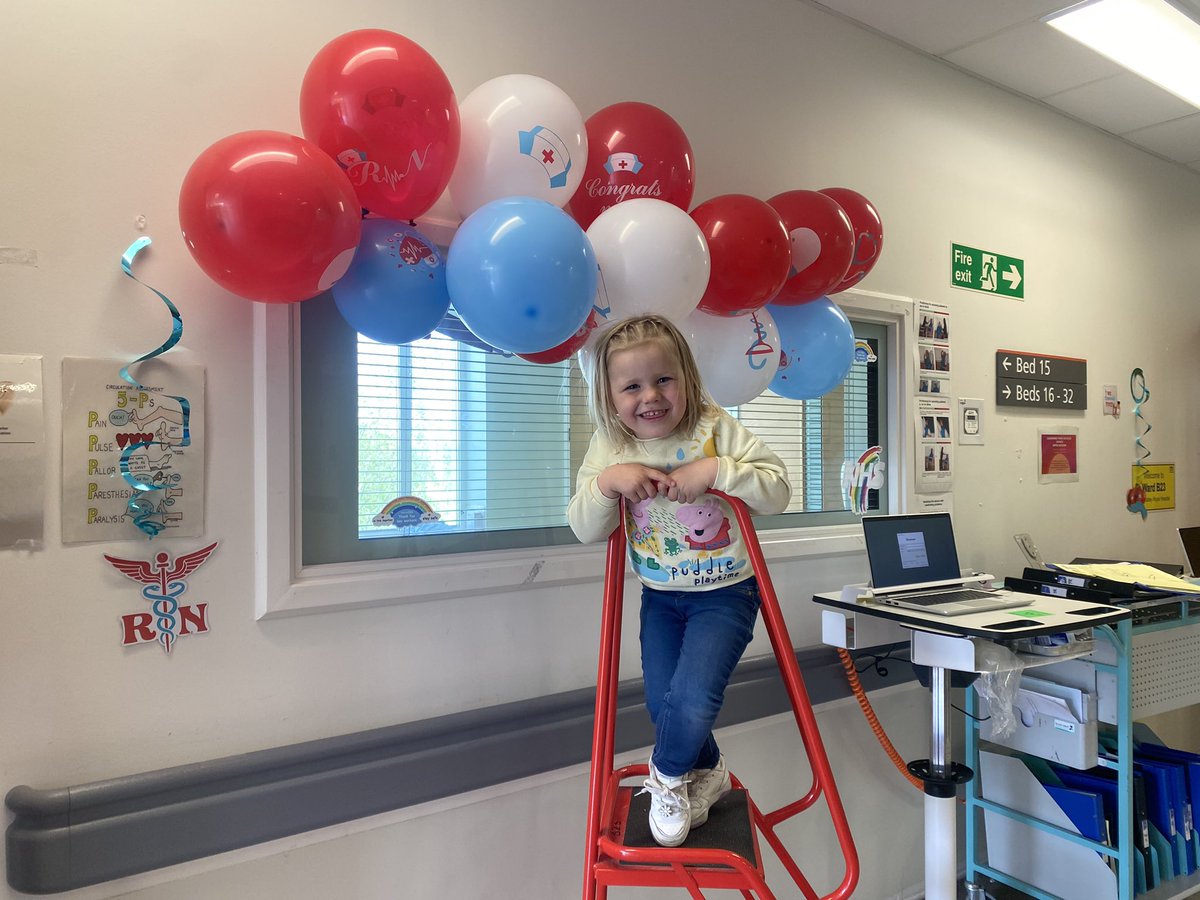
column 552, row 205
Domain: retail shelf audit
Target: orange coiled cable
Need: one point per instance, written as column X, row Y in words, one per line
column 861, row 696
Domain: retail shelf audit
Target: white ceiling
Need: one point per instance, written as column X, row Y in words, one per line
column 1006, row 43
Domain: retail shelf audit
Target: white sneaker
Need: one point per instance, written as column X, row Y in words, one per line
column 670, row 811
column 706, row 787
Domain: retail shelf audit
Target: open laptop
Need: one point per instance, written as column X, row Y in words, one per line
column 1190, row 538
column 914, row 565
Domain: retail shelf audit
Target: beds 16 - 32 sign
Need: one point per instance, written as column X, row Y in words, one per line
column 1041, row 380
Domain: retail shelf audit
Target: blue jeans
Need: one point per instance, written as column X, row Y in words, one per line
column 691, row 641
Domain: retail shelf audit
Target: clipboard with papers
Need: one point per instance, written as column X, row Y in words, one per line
column 1139, row 575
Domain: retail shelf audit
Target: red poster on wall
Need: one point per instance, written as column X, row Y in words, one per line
column 1058, row 458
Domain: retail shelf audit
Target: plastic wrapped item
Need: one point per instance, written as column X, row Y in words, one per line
column 999, row 679
column 1062, row 643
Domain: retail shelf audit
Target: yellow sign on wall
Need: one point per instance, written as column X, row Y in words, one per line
column 1158, row 482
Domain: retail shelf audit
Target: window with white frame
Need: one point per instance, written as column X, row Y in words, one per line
column 481, row 439
column 438, row 446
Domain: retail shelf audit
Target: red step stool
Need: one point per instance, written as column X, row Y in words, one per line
column 724, row 854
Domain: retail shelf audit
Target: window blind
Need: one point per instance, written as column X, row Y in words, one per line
column 454, row 439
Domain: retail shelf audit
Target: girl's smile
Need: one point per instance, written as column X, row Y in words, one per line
column 646, row 389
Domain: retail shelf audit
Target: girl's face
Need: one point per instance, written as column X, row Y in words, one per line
column 647, row 390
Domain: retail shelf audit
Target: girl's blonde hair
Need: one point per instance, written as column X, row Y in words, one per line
column 633, row 333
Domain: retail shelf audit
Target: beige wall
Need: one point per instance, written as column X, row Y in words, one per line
column 106, row 105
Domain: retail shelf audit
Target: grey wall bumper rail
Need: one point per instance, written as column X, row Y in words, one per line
column 66, row 838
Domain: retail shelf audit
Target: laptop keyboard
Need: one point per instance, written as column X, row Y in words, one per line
column 946, row 597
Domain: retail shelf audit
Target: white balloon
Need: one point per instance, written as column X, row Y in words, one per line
column 653, row 259
column 737, row 355
column 521, row 136
column 586, row 360
column 806, row 247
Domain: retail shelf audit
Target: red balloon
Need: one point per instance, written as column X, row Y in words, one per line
column 567, row 347
column 269, row 217
column 384, row 109
column 634, row 150
column 750, row 253
column 868, row 234
column 822, row 245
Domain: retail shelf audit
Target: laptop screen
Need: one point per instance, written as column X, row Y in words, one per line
column 910, row 549
column 1191, row 548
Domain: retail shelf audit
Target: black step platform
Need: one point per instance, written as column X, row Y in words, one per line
column 729, row 826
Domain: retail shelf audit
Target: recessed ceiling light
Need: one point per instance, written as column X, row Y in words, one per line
column 1151, row 38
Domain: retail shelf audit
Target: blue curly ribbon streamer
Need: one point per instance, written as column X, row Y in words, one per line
column 141, row 508
column 1140, row 394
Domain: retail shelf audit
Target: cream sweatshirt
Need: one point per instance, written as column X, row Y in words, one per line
column 684, row 546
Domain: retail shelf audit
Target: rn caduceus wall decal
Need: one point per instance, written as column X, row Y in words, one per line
column 164, row 584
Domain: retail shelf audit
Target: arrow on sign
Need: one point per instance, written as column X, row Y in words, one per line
column 1007, row 392
column 1006, row 364
column 1012, row 276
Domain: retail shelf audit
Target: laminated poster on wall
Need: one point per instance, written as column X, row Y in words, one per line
column 1112, row 401
column 932, row 325
column 1157, row 483
column 103, row 416
column 934, row 444
column 1058, row 454
column 22, row 451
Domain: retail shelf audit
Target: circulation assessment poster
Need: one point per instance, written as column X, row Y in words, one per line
column 102, row 415
column 934, row 457
column 933, row 326
column 935, row 445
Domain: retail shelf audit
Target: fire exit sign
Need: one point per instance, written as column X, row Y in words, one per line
column 987, row 272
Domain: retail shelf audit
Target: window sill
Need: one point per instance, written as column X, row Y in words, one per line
column 357, row 585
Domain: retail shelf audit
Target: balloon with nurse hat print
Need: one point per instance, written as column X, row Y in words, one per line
column 521, row 136
column 634, row 150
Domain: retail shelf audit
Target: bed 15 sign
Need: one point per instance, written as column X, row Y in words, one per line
column 1030, row 379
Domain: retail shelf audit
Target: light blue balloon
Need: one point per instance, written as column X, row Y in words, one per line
column 816, row 344
column 452, row 327
column 521, row 274
column 395, row 289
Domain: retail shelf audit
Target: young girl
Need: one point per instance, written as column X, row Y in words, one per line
column 661, row 443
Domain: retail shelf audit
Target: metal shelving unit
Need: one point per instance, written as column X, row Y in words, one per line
column 1156, row 668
